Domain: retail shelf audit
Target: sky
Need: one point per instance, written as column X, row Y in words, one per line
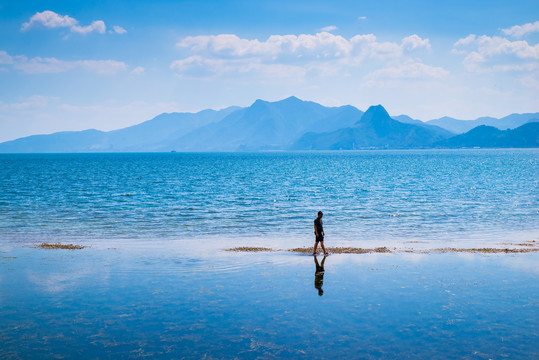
column 74, row 65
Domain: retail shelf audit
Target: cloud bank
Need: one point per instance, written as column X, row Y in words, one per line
column 283, row 56
column 494, row 53
column 39, row 65
column 51, row 20
column 521, row 30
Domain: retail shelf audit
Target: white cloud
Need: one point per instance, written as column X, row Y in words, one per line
column 413, row 42
column 50, row 19
column 466, row 41
column 530, row 82
column 5, row 58
column 97, row 26
column 39, row 65
column 209, row 54
column 197, row 66
column 362, row 18
column 104, row 67
column 138, row 70
column 32, row 102
column 119, row 30
column 295, row 56
column 329, row 28
column 486, row 53
column 409, row 71
column 521, row 30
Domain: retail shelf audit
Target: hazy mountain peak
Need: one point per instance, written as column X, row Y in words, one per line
column 291, row 99
column 375, row 114
column 259, row 102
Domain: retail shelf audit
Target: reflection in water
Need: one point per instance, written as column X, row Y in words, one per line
column 319, row 275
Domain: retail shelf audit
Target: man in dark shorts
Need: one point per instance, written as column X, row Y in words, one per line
column 319, row 233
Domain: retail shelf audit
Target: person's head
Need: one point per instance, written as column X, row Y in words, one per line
column 320, row 292
column 320, row 214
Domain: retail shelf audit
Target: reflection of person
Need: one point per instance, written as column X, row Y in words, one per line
column 319, row 233
column 319, row 275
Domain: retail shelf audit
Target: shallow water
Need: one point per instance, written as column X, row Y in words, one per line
column 170, row 303
column 425, row 195
column 156, row 282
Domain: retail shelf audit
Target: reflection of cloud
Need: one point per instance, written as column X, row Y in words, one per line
column 70, row 272
column 58, row 282
column 528, row 263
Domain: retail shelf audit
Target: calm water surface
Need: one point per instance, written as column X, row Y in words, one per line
column 169, row 304
column 365, row 195
column 156, row 283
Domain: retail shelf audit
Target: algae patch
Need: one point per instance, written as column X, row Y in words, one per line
column 344, row 250
column 485, row 250
column 59, row 246
column 250, row 249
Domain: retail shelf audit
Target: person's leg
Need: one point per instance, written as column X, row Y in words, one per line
column 323, row 247
column 315, row 246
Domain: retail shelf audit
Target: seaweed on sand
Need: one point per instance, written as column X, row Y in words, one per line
column 59, row 246
column 345, row 250
column 250, row 249
column 485, row 250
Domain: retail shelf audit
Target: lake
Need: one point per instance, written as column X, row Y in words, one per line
column 372, row 196
column 155, row 281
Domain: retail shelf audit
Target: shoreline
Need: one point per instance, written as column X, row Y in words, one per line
column 527, row 247
column 508, row 248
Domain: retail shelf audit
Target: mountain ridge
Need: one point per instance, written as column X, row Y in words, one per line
column 375, row 130
column 290, row 123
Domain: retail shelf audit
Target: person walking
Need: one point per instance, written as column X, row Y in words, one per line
column 319, row 233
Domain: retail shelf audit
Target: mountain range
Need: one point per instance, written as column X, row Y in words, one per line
column 289, row 124
column 525, row 136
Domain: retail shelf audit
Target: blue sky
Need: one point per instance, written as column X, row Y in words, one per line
column 68, row 65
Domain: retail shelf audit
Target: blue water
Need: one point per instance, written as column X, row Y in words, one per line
column 155, row 281
column 432, row 195
column 169, row 304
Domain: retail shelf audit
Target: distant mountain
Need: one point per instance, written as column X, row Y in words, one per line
column 151, row 134
column 66, row 141
column 286, row 124
column 525, row 136
column 267, row 125
column 408, row 120
column 376, row 129
column 461, row 126
column 147, row 136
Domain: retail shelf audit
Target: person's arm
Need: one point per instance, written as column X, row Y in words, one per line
column 315, row 230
